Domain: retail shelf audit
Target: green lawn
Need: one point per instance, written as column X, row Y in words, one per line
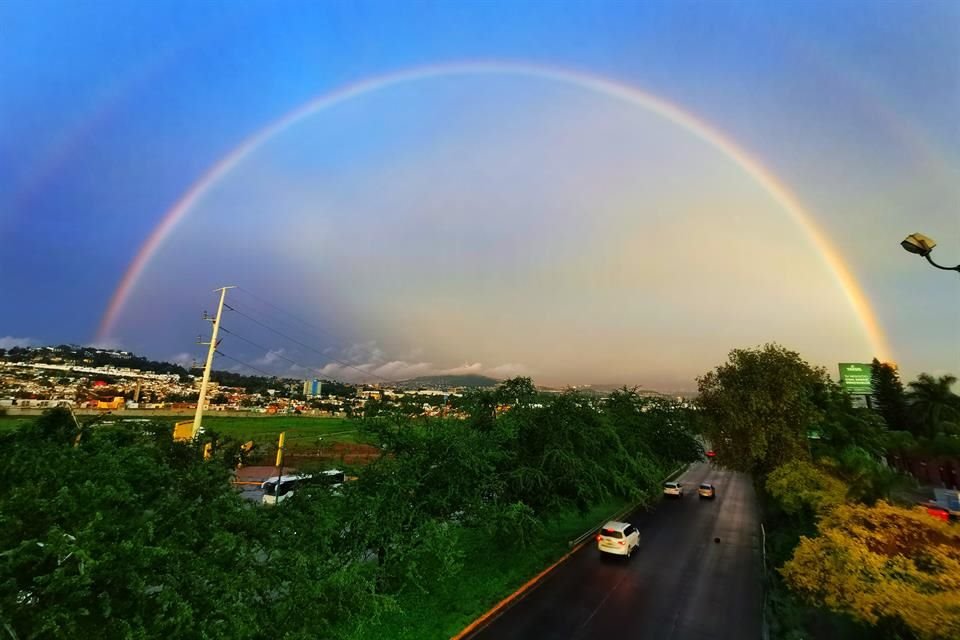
column 302, row 431
column 490, row 573
column 9, row 423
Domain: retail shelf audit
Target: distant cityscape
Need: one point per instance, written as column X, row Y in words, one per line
column 33, row 379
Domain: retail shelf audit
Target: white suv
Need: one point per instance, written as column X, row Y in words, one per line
column 673, row 489
column 618, row 538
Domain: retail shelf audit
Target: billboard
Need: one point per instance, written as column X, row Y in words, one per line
column 855, row 378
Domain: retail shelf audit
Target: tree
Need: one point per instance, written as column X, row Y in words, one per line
column 516, row 391
column 883, row 564
column 843, row 425
column 655, row 426
column 759, row 407
column 866, row 478
column 933, row 404
column 889, row 396
column 481, row 406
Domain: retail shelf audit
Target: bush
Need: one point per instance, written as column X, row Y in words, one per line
column 883, row 563
column 801, row 485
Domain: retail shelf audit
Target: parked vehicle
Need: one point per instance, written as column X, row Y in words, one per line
column 707, row 490
column 673, row 489
column 618, row 538
column 277, row 489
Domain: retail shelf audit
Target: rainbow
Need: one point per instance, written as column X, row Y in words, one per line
column 764, row 177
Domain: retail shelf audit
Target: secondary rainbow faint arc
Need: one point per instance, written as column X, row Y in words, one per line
column 630, row 94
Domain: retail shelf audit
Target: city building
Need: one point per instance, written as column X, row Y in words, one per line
column 312, row 388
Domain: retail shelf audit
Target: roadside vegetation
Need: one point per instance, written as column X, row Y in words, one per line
column 842, row 560
column 124, row 533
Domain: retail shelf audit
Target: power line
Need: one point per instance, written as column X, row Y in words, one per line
column 294, row 316
column 306, row 346
column 269, row 351
column 283, row 323
column 287, row 313
column 247, row 365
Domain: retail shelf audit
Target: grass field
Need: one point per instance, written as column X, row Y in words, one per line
column 299, row 429
column 9, row 423
column 302, row 431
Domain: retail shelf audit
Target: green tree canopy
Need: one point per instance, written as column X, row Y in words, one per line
column 759, row 407
column 933, row 404
column 842, row 425
column 129, row 534
column 889, row 396
column 516, row 391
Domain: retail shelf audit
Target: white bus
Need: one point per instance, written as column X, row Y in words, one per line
column 279, row 488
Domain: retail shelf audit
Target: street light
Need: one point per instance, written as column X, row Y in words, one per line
column 922, row 246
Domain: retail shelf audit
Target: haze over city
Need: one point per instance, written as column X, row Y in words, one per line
column 586, row 193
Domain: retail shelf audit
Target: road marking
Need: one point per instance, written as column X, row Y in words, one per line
column 600, row 606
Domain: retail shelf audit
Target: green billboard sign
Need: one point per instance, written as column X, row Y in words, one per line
column 855, row 378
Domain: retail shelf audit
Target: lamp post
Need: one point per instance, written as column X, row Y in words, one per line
column 921, row 245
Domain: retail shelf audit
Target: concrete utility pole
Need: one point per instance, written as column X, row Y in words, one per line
column 202, row 399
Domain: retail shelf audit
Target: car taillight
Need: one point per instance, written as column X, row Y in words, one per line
column 599, row 537
column 620, row 542
column 939, row 514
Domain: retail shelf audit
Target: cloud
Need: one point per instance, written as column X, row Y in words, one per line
column 110, row 343
column 9, row 342
column 364, row 352
column 368, row 362
column 184, row 359
column 510, row 370
column 277, row 361
column 398, row 370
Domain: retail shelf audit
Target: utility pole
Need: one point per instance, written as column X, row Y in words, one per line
column 202, row 399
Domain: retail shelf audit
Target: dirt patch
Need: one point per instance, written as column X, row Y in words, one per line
column 342, row 452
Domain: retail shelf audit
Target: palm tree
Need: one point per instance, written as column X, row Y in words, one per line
column 932, row 402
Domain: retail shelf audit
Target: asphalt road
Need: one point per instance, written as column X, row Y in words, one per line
column 679, row 585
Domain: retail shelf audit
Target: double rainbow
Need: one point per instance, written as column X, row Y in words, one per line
column 853, row 292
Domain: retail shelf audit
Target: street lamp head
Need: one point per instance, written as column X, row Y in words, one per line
column 918, row 243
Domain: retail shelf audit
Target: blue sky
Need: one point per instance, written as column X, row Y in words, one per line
column 109, row 111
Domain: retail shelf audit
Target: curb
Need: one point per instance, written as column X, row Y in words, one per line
column 576, row 544
column 516, row 596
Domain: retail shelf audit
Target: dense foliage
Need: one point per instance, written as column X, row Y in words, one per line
column 124, row 533
column 883, row 563
column 868, row 569
column 888, row 395
column 760, row 406
column 934, row 406
column 128, row 534
column 801, row 486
